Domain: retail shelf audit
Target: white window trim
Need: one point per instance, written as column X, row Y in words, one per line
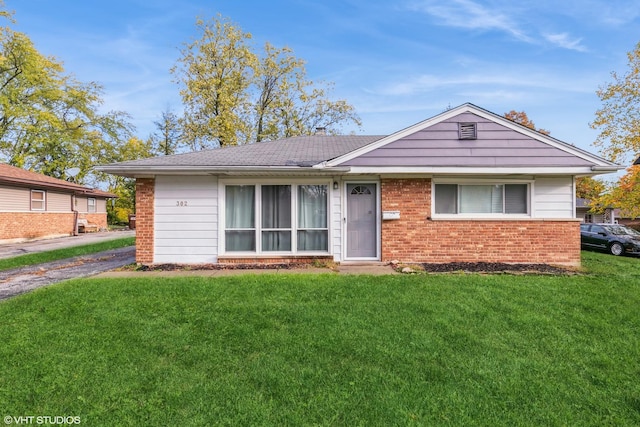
column 258, row 207
column 44, row 200
column 480, row 216
column 95, row 206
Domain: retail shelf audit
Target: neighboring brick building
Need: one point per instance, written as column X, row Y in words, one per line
column 467, row 185
column 34, row 206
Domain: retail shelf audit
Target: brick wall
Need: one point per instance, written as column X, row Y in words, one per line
column 416, row 238
column 275, row 260
column 145, row 193
column 99, row 219
column 32, row 225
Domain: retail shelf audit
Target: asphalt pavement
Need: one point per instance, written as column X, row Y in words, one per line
column 20, row 280
column 9, row 250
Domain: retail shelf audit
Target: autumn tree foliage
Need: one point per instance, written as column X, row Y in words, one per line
column 625, row 195
column 233, row 95
column 618, row 120
column 49, row 121
column 589, row 188
column 521, row 117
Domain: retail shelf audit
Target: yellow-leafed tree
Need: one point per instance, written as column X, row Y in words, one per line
column 233, row 95
column 618, row 120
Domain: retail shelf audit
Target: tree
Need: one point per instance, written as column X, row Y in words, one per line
column 589, row 188
column 49, row 122
column 619, row 117
column 215, row 74
column 521, row 117
column 234, row 96
column 287, row 104
column 168, row 139
column 625, row 195
column 125, row 188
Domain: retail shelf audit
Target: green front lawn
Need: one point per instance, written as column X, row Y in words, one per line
column 330, row 350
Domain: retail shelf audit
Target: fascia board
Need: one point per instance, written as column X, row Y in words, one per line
column 452, row 170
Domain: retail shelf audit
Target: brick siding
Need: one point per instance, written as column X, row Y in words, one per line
column 98, row 219
column 33, row 225
column 145, row 212
column 275, row 260
column 417, row 238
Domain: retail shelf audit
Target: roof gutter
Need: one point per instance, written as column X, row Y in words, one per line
column 75, row 188
column 209, row 170
column 599, row 168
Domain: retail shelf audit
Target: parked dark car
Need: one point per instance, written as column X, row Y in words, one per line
column 613, row 238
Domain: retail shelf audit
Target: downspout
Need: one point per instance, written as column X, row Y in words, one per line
column 75, row 214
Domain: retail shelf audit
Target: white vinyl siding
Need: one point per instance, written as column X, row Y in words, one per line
column 58, row 202
column 13, row 199
column 81, row 204
column 186, row 219
column 554, row 198
column 101, row 206
column 335, row 224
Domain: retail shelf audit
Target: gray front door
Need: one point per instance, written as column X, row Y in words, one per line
column 361, row 221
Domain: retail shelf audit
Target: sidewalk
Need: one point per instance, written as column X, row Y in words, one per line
column 9, row 250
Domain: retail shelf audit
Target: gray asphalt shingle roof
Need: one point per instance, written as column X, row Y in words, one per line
column 296, row 151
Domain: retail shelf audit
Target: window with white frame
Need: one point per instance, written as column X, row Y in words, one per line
column 38, row 200
column 481, row 199
column 91, row 205
column 276, row 218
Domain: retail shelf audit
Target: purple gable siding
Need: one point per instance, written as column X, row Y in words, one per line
column 495, row 146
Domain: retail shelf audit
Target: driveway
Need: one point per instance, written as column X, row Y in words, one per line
column 20, row 280
column 9, row 250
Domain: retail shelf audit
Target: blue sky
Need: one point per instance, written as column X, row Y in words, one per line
column 398, row 62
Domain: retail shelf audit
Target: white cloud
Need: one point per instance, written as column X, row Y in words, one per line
column 471, row 15
column 487, row 78
column 563, row 40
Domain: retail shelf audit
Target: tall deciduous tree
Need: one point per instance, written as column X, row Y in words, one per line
column 522, row 118
column 619, row 117
column 215, row 73
column 234, row 96
column 49, row 122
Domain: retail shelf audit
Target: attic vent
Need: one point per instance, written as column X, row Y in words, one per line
column 467, row 131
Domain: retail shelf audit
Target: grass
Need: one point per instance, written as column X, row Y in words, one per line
column 457, row 349
column 48, row 256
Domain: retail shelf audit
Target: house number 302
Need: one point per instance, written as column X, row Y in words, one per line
column 181, row 203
